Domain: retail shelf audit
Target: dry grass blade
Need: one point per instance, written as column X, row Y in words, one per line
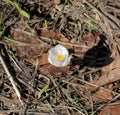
column 102, row 14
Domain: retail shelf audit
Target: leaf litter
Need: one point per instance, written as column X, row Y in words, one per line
column 89, row 85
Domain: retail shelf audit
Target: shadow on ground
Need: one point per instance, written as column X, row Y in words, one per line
column 97, row 56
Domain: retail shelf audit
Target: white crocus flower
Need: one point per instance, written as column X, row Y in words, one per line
column 58, row 56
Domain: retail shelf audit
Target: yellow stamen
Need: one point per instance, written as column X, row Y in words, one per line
column 59, row 57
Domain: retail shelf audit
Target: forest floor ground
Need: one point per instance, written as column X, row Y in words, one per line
column 88, row 29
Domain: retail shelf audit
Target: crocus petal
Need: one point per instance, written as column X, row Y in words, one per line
column 66, row 62
column 62, row 49
column 54, row 52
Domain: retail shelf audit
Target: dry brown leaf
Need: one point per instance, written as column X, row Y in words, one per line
column 53, row 34
column 47, row 35
column 90, row 40
column 108, row 77
column 110, row 73
column 111, row 110
column 3, row 113
column 31, row 51
column 101, row 95
column 49, row 3
column 52, row 70
column 42, row 60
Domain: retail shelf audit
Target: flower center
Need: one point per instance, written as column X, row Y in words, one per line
column 59, row 57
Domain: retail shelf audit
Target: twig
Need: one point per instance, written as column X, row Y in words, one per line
column 64, row 43
column 10, row 78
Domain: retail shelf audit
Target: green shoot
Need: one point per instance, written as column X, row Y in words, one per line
column 43, row 90
column 22, row 12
